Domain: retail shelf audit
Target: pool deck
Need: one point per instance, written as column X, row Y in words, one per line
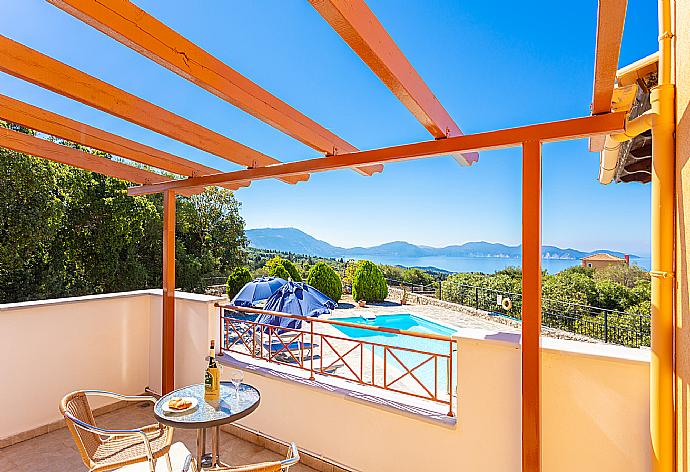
column 347, row 307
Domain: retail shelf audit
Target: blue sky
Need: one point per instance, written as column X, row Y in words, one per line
column 492, row 65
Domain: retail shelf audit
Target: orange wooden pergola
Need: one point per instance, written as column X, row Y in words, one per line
column 359, row 27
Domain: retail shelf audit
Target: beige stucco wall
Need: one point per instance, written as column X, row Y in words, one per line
column 196, row 322
column 51, row 348
column 108, row 342
column 682, row 74
column 595, row 410
column 595, row 414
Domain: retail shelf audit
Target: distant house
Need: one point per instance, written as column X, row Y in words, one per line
column 597, row 261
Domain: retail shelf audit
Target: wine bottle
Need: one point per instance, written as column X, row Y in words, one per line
column 212, row 378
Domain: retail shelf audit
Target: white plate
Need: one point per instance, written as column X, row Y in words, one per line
column 169, row 410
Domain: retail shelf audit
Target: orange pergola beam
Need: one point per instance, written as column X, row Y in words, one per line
column 531, row 306
column 545, row 132
column 610, row 22
column 32, row 66
column 364, row 33
column 140, row 31
column 168, row 322
column 56, row 125
column 28, row 144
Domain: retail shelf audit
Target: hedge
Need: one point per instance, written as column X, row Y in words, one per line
column 325, row 279
column 238, row 278
column 289, row 269
column 368, row 283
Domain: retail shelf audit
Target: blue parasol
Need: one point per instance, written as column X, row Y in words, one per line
column 257, row 290
column 295, row 298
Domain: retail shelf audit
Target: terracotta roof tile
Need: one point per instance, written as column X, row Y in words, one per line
column 602, row 257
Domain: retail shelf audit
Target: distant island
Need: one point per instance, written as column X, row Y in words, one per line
column 298, row 242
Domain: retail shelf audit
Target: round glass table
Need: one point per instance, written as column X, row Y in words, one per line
column 209, row 414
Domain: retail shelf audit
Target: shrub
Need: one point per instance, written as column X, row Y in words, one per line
column 350, row 269
column 275, row 264
column 237, row 279
column 292, row 270
column 279, row 271
column 417, row 276
column 368, row 283
column 323, row 278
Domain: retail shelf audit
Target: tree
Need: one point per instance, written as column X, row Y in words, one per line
column 289, row 270
column 213, row 217
column 622, row 274
column 292, row 270
column 31, row 212
column 280, row 271
column 350, row 269
column 368, row 283
column 210, row 237
column 417, row 276
column 68, row 232
column 326, row 280
column 237, row 279
column 612, row 295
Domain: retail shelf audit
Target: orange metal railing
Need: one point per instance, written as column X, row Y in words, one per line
column 320, row 349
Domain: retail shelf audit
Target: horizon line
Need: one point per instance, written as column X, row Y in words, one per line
column 642, row 255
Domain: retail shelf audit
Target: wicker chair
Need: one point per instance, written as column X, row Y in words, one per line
column 103, row 449
column 277, row 466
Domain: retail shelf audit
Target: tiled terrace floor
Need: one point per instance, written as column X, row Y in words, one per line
column 55, row 451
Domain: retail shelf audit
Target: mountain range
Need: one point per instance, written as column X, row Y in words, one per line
column 298, row 242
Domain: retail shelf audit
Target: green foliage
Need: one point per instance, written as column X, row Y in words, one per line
column 275, row 264
column 238, row 278
column 417, row 277
column 511, row 272
column 280, row 271
column 587, row 271
column 569, row 286
column 292, row 270
column 69, row 232
column 622, row 274
column 412, row 275
column 325, row 279
column 350, row 269
column 368, row 283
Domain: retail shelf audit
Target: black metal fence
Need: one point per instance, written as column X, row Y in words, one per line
column 610, row 326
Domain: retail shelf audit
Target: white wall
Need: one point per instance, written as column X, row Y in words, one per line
column 196, row 323
column 595, row 414
column 595, row 398
column 109, row 342
column 52, row 347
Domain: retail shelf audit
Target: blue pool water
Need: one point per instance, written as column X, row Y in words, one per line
column 409, row 359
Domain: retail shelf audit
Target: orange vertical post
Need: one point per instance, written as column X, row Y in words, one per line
column 168, row 354
column 531, row 306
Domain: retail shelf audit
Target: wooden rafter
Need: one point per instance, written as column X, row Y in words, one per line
column 545, row 132
column 140, row 31
column 45, row 149
column 364, row 33
column 56, row 125
column 610, row 22
column 32, row 66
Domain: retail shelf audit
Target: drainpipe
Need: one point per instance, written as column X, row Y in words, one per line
column 662, row 411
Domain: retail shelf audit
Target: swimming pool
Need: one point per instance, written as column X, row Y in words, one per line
column 403, row 321
column 407, row 322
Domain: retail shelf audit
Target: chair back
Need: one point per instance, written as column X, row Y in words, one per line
column 77, row 405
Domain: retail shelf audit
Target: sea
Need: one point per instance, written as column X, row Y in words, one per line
column 486, row 265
